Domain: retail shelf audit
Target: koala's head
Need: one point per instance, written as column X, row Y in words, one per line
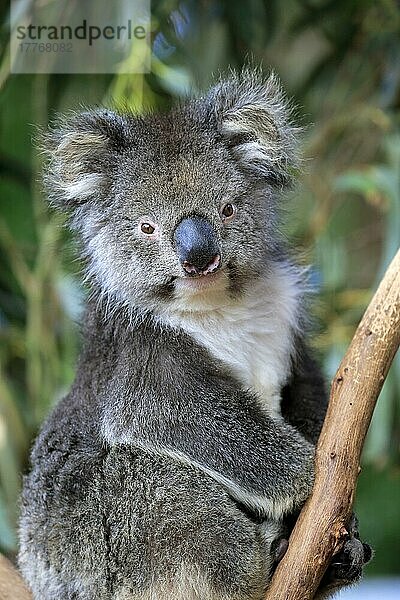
column 179, row 208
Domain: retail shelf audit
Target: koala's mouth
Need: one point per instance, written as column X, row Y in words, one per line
column 214, row 288
column 206, row 270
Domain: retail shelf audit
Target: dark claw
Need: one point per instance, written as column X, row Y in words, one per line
column 280, row 550
column 368, row 553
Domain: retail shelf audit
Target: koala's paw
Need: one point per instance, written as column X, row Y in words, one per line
column 346, row 566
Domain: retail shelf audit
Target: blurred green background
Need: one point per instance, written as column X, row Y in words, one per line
column 340, row 61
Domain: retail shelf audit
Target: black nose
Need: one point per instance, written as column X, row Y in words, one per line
column 197, row 246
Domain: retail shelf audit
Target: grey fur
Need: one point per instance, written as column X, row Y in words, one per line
column 161, row 474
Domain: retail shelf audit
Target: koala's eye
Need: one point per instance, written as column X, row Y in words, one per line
column 147, row 228
column 228, row 211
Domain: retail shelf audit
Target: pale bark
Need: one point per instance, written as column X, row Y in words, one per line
column 11, row 585
column 321, row 527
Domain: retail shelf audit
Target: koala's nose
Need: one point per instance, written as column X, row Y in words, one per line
column 197, row 246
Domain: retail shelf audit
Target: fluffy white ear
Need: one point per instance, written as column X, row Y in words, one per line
column 253, row 115
column 80, row 153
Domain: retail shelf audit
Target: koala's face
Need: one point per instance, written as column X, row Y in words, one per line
column 177, row 211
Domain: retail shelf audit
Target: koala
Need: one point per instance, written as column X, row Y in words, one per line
column 177, row 463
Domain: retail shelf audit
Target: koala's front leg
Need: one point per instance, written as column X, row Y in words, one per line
column 264, row 463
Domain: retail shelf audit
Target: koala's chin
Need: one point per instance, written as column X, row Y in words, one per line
column 200, row 293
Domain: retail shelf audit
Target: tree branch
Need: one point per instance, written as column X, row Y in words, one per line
column 321, row 527
column 11, row 585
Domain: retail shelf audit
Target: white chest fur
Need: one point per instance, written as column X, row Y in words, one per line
column 253, row 337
